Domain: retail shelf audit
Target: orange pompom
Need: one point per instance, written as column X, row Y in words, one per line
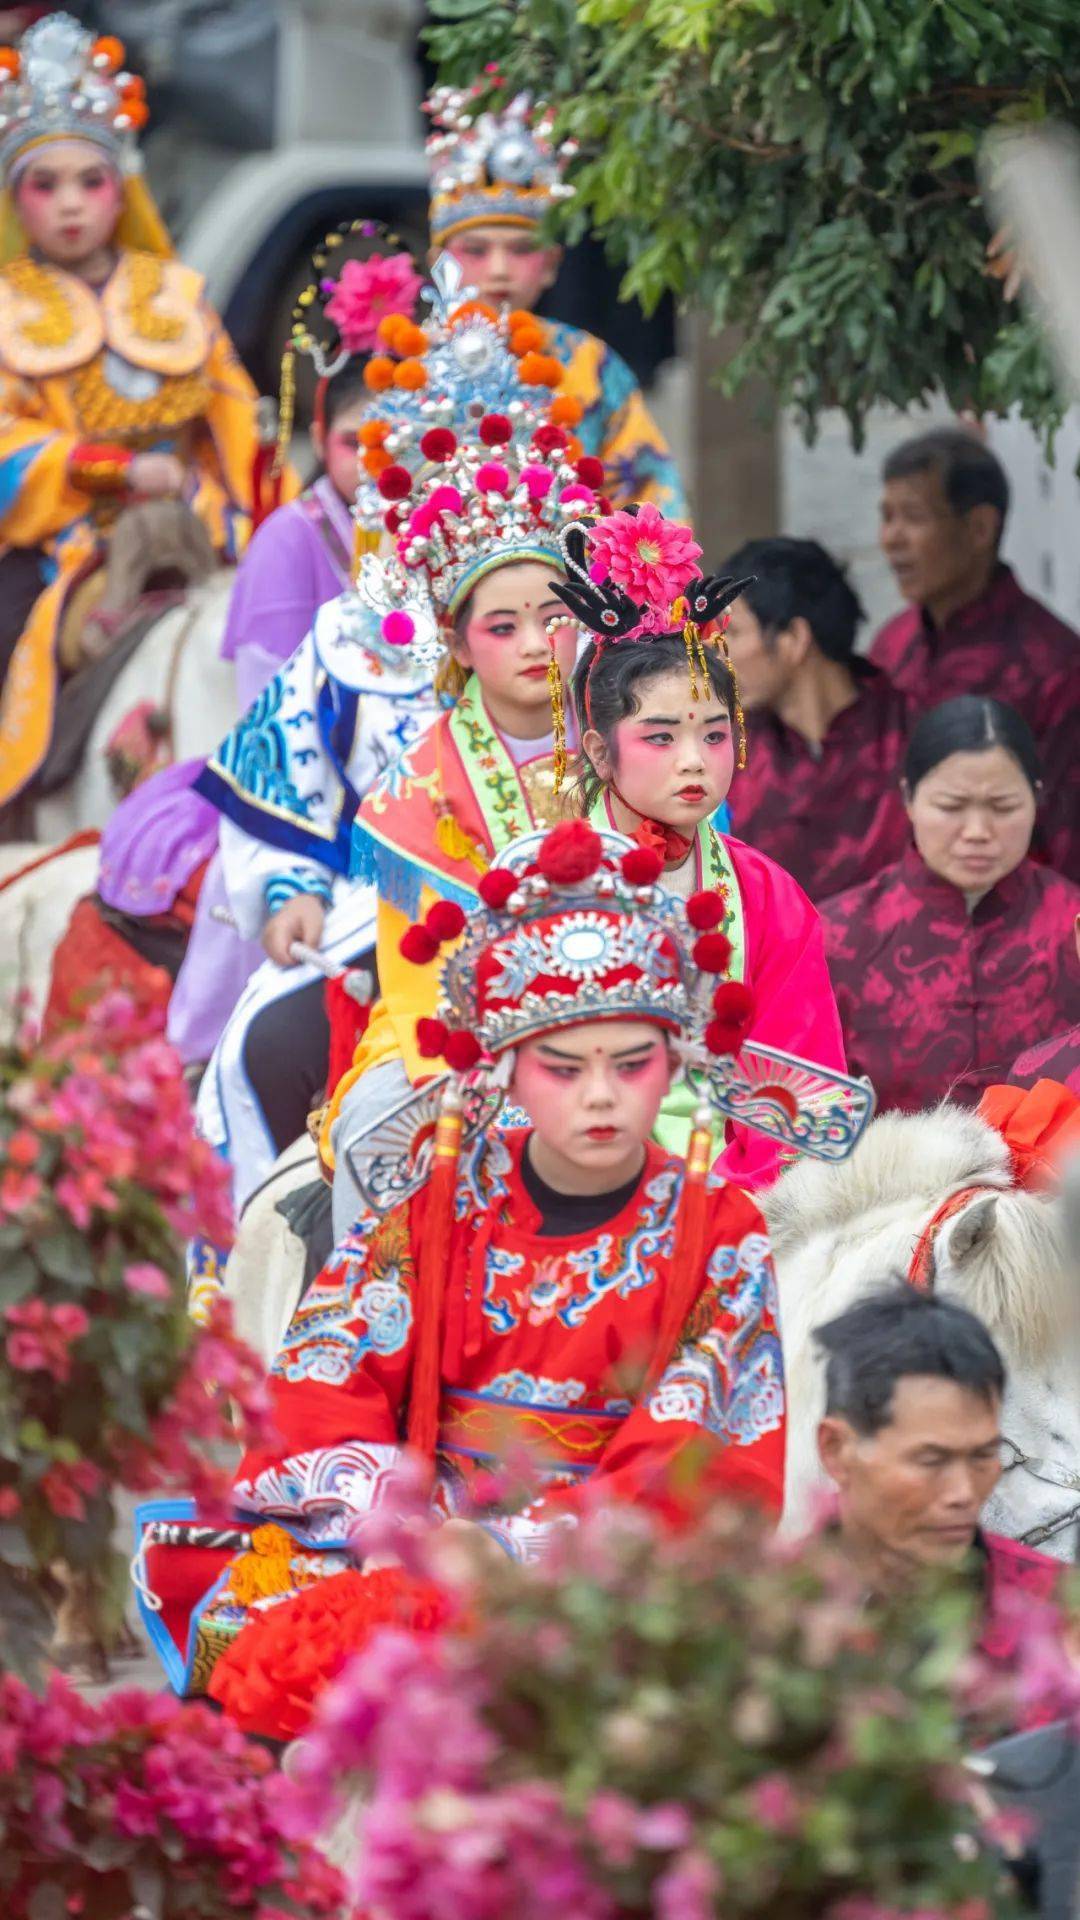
column 134, row 88
column 573, row 448
column 379, row 373
column 135, row 112
column 387, row 330
column 376, row 461
column 473, row 310
column 9, row 60
column 411, row 374
column 527, row 339
column 532, row 368
column 108, row 52
column 373, row 433
column 412, row 339
column 520, row 317
column 565, row 411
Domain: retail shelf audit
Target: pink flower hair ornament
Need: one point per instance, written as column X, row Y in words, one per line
column 365, row 292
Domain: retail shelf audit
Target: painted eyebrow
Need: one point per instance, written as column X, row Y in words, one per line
column 574, row 1059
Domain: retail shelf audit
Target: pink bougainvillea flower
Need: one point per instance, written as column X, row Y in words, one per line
column 366, row 292
column 18, row 1190
column 23, row 1148
column 650, row 558
column 143, row 1277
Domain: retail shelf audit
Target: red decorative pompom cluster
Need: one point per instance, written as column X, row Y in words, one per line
column 733, row 1017
column 570, row 852
column 420, row 944
column 435, row 1040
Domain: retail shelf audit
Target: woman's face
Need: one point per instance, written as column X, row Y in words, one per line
column 972, row 816
column 673, row 759
column 68, row 198
column 506, row 643
column 337, row 448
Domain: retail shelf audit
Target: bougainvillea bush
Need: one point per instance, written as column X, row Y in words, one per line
column 688, row 1728
column 103, row 1379
column 143, row 1807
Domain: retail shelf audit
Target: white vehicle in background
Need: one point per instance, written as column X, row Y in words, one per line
column 271, row 120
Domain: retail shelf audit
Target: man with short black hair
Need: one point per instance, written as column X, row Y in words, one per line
column 970, row 627
column 911, row 1439
column 821, row 789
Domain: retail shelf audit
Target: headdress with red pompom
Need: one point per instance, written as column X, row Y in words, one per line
column 573, row 926
column 499, row 168
column 64, row 83
column 635, row 576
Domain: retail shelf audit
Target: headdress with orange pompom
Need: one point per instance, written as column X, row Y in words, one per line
column 472, row 448
column 573, row 926
column 64, row 83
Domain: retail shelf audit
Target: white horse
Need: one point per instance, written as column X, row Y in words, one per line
column 176, row 669
column 937, row 1189
column 265, row 1270
column 39, row 889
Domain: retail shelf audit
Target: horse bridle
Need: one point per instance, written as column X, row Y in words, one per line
column 921, row 1274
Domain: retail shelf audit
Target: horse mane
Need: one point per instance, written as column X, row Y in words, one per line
column 1014, row 1277
column 903, row 1160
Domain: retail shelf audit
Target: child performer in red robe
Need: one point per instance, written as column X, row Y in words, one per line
column 565, row 1285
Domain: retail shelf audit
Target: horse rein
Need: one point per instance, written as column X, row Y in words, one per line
column 921, row 1274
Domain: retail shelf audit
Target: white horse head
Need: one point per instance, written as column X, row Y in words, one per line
column 840, row 1230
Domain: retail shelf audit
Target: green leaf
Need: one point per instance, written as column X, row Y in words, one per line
column 18, row 1278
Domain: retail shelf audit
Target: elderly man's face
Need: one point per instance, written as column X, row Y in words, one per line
column 915, row 1489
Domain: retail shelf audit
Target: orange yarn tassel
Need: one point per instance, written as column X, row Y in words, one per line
column 432, row 1268
column 684, row 1281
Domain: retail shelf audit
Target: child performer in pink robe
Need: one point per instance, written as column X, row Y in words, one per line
column 661, row 730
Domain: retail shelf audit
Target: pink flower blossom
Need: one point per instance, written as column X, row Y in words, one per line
column 774, row 1803
column 142, row 1276
column 648, row 557
column 23, row 1148
column 18, row 1190
column 366, row 292
column 688, row 1889
column 42, row 1336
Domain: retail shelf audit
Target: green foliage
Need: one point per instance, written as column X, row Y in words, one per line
column 802, row 168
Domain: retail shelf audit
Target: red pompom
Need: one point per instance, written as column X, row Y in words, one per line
column 720, row 1038
column 418, row 946
column 445, row 920
column 462, row 1051
column 431, row 1038
column 642, row 866
column 548, row 440
column 572, row 851
column 438, row 443
column 394, row 518
column 704, row 910
column 590, row 471
column 604, row 504
column 712, row 952
column 496, row 887
column 734, row 1003
column 395, row 483
column 495, row 430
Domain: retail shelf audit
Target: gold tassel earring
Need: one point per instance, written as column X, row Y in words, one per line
column 740, row 717
column 286, row 410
